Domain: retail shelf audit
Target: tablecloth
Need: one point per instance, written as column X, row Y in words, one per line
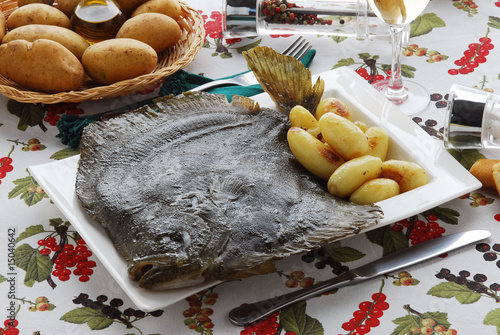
column 457, row 293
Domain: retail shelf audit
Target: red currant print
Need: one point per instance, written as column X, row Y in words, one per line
column 197, row 317
column 473, row 56
column 368, row 314
column 497, row 217
column 6, row 165
column 53, row 112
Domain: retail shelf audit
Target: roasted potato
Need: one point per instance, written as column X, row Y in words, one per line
column 378, row 142
column 496, row 176
column 118, row 59
column 408, row 175
column 157, row 30
column 332, row 105
column 302, row 118
column 361, row 125
column 37, row 13
column 352, row 174
column 343, row 136
column 32, row 32
column 375, row 190
column 43, row 65
column 170, row 8
column 313, row 154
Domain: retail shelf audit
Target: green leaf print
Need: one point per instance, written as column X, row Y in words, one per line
column 28, row 190
column 30, row 231
column 342, row 254
column 425, row 23
column 493, row 319
column 65, row 153
column 248, row 46
column 494, row 22
column 466, row 157
column 29, row 115
column 2, row 279
column 453, row 290
column 95, row 319
column 389, row 239
column 295, row 319
column 37, row 266
column 344, row 62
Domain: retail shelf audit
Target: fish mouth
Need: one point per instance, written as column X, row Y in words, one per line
column 159, row 275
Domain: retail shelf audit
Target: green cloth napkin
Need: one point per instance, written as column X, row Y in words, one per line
column 71, row 126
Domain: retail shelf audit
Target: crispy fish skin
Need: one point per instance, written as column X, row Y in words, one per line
column 206, row 190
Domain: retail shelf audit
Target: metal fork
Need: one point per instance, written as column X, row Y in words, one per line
column 298, row 49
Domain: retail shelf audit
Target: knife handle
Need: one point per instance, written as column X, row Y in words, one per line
column 249, row 313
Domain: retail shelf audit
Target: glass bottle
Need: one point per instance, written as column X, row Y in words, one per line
column 97, row 20
column 345, row 18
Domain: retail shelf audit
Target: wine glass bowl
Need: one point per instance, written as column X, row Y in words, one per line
column 411, row 97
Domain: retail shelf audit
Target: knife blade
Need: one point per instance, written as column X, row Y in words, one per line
column 423, row 251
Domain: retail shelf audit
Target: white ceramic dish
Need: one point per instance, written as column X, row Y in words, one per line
column 448, row 180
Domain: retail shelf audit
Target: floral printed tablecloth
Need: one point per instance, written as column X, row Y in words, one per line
column 458, row 293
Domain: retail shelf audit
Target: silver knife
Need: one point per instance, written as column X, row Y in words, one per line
column 423, row 251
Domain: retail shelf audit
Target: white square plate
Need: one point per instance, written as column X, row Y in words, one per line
column 448, row 180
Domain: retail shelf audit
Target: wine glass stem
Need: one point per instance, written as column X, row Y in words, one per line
column 396, row 91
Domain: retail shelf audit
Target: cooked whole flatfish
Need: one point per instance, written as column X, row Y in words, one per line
column 206, row 189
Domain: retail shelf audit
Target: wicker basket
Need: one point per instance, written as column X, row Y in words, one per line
column 173, row 59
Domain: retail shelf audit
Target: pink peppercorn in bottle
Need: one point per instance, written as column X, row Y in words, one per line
column 346, row 18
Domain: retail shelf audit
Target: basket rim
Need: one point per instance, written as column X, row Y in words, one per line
column 193, row 43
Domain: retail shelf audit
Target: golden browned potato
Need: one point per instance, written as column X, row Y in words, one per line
column 157, row 30
column 32, row 32
column 343, row 136
column 118, row 59
column 332, row 105
column 3, row 29
column 408, row 175
column 128, row 6
column 43, row 65
column 67, row 6
column 170, row 8
column 375, row 190
column 378, row 142
column 313, row 154
column 302, row 118
column 496, row 176
column 352, row 174
column 37, row 13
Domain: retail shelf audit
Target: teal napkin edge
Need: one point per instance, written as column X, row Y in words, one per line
column 70, row 127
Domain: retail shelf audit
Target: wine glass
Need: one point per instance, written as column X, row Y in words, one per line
column 410, row 96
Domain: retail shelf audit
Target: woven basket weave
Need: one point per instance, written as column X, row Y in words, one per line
column 173, row 59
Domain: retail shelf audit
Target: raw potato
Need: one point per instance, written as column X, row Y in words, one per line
column 332, row 105
column 157, row 30
column 302, row 118
column 352, row 174
column 114, row 60
column 375, row 190
column 128, row 6
column 32, row 32
column 21, row 3
column 408, row 175
column 343, row 136
column 378, row 142
column 37, row 13
column 170, row 8
column 43, row 65
column 67, row 6
column 482, row 169
column 3, row 28
column 313, row 154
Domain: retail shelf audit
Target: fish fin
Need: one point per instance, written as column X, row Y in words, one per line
column 285, row 79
